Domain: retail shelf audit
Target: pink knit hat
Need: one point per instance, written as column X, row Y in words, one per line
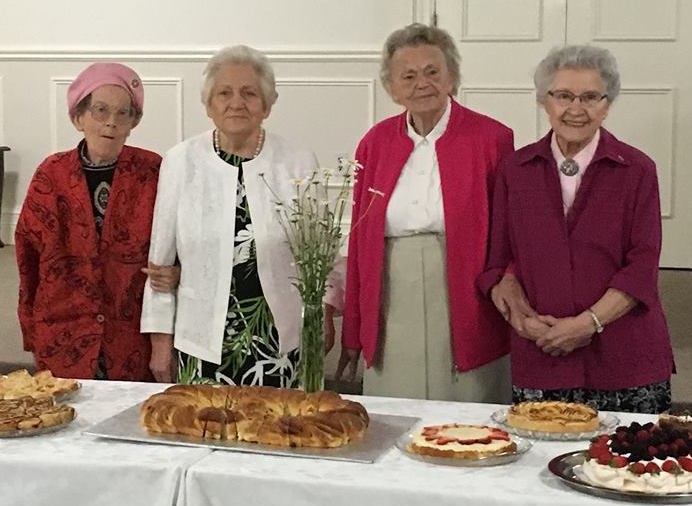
column 103, row 73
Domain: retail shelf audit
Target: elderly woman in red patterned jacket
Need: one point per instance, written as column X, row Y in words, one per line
column 82, row 238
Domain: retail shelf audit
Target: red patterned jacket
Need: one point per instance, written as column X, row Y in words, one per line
column 77, row 293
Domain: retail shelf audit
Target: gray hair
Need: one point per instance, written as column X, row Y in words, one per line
column 241, row 55
column 578, row 57
column 418, row 34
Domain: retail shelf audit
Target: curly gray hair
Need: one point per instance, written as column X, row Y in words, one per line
column 418, row 34
column 241, row 55
column 578, row 57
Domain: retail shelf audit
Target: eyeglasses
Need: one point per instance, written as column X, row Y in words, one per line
column 565, row 98
column 102, row 113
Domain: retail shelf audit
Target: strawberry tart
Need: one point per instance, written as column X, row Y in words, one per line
column 641, row 458
column 454, row 440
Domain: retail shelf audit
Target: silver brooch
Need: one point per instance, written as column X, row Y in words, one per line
column 569, row 167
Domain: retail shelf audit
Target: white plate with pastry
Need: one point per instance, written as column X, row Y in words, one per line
column 21, row 383
column 554, row 420
column 29, row 416
column 463, row 445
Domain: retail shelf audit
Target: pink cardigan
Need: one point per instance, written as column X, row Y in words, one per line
column 468, row 153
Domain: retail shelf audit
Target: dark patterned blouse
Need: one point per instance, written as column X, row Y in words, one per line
column 250, row 353
column 99, row 180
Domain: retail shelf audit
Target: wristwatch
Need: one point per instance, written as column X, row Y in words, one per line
column 595, row 320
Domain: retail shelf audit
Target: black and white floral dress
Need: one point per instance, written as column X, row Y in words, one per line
column 250, row 352
column 654, row 398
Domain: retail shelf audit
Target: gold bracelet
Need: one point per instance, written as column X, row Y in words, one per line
column 596, row 321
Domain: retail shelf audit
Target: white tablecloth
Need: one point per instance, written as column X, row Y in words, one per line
column 70, row 469
column 224, row 478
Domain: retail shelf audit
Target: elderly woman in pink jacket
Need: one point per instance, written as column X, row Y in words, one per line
column 419, row 236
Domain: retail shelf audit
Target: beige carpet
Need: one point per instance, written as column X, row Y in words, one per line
column 674, row 286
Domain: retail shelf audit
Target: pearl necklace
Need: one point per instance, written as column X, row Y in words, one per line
column 260, row 143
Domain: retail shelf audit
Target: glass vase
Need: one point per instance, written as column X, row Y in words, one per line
column 311, row 360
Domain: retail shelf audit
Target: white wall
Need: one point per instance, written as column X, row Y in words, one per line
column 326, row 54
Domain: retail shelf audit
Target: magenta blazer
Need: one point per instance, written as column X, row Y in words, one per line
column 468, row 153
column 611, row 237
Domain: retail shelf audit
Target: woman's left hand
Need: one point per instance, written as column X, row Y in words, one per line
column 565, row 334
column 163, row 278
column 163, row 364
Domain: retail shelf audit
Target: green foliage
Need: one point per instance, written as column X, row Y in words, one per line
column 312, row 224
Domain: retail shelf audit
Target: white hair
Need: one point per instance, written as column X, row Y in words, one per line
column 418, row 34
column 241, row 55
column 578, row 57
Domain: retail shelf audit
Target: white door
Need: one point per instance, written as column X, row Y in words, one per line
column 651, row 41
column 502, row 41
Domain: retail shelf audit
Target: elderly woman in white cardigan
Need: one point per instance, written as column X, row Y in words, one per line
column 235, row 317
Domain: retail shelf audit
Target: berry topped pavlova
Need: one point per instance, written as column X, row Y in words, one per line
column 641, row 458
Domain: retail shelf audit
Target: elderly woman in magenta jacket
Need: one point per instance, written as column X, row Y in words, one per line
column 578, row 214
column 419, row 236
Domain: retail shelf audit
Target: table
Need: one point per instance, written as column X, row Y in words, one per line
column 223, row 478
column 70, row 469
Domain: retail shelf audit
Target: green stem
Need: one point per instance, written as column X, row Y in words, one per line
column 311, row 362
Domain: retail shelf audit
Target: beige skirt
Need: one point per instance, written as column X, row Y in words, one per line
column 414, row 356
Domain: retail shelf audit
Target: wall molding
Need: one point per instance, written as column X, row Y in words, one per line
column 177, row 82
column 190, row 54
column 2, row 113
column 423, row 11
column 54, row 82
column 598, row 35
column 465, row 37
column 506, row 90
column 368, row 83
column 666, row 207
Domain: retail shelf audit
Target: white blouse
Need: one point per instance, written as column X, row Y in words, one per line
column 415, row 206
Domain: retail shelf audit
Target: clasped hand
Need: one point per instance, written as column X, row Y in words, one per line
column 555, row 336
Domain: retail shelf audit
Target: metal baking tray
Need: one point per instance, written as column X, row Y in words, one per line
column 380, row 436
